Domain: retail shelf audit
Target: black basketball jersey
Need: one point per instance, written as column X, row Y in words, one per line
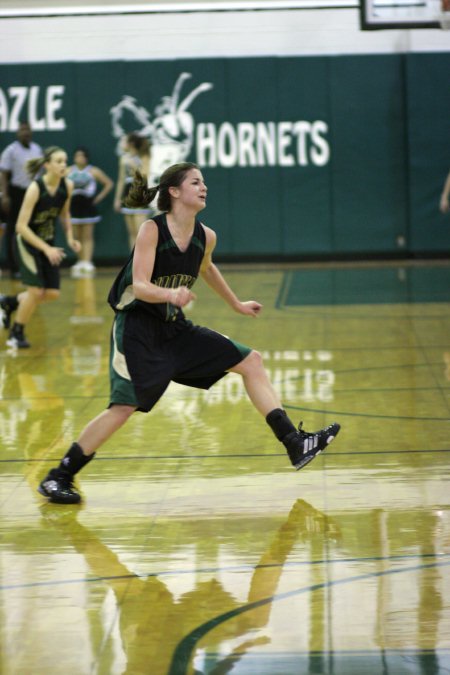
column 172, row 268
column 47, row 209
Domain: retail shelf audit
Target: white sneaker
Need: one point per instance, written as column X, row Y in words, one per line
column 76, row 270
column 87, row 269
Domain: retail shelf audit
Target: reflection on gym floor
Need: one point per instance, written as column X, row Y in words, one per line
column 197, row 549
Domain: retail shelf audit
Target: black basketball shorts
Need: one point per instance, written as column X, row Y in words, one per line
column 147, row 354
column 35, row 268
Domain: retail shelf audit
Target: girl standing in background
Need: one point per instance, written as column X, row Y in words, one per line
column 83, row 207
column 135, row 158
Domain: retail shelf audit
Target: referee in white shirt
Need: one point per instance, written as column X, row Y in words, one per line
column 14, row 181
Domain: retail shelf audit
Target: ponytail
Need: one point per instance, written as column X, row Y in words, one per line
column 33, row 166
column 140, row 194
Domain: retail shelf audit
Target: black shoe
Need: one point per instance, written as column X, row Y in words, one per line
column 302, row 446
column 17, row 339
column 6, row 309
column 58, row 487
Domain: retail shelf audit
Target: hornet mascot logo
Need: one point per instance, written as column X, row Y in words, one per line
column 170, row 131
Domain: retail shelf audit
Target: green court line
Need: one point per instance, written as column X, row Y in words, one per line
column 226, row 568
column 313, row 288
column 283, row 291
column 183, row 652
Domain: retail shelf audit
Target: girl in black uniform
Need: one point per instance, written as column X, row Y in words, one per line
column 45, row 199
column 153, row 343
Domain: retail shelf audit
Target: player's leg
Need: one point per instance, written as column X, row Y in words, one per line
column 31, row 272
column 27, row 303
column 102, row 427
column 77, row 234
column 50, row 295
column 87, row 247
column 58, row 484
column 42, row 280
column 133, row 222
column 257, row 383
column 137, row 222
column 301, row 446
column 8, row 305
column 202, row 356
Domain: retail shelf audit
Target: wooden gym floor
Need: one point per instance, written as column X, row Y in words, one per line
column 197, row 548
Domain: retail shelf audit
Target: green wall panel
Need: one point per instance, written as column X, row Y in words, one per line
column 428, row 114
column 305, row 199
column 254, row 206
column 307, row 156
column 369, row 165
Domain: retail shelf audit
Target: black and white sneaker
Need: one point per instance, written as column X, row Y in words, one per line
column 6, row 309
column 303, row 446
column 58, row 487
column 17, row 338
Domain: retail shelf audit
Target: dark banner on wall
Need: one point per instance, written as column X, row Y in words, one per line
column 302, row 156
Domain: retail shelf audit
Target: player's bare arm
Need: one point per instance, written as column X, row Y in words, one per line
column 444, row 202
column 101, row 177
column 66, row 221
column 119, row 185
column 213, row 277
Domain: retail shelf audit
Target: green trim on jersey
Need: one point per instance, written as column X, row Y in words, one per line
column 198, row 243
column 27, row 262
column 167, row 244
column 127, row 298
column 122, row 388
column 172, row 244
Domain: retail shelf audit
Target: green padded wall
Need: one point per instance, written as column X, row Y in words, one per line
column 308, row 156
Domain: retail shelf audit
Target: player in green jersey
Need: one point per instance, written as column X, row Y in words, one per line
column 46, row 199
column 152, row 341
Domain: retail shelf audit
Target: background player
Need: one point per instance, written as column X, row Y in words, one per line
column 14, row 180
column 45, row 199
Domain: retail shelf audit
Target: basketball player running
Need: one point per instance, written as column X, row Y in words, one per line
column 153, row 343
column 46, row 198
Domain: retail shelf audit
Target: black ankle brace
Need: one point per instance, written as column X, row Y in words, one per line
column 11, row 302
column 280, row 423
column 74, row 460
